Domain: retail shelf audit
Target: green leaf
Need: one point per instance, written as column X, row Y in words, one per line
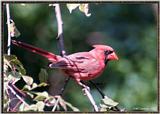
column 21, row 107
column 26, row 88
column 6, row 65
column 107, row 103
column 85, row 8
column 41, row 96
column 14, row 32
column 14, row 63
column 40, row 105
column 28, row 80
column 34, row 85
column 12, row 76
column 82, row 7
column 10, row 68
column 42, row 84
column 103, row 108
column 30, row 94
column 43, row 75
column 71, row 7
column 32, row 107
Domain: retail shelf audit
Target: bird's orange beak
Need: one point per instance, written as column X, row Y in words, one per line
column 112, row 56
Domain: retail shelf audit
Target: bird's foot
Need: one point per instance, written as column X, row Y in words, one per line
column 85, row 88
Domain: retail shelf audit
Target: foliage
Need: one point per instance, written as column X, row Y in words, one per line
column 107, row 104
column 129, row 28
column 13, row 30
column 27, row 99
column 82, row 7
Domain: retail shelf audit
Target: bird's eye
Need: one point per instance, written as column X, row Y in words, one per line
column 108, row 52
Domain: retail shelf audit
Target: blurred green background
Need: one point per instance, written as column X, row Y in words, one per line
column 130, row 28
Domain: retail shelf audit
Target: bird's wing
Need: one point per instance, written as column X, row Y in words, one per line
column 77, row 62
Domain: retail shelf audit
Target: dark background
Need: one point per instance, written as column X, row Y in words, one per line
column 130, row 28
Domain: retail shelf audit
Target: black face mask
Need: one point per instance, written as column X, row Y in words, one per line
column 106, row 54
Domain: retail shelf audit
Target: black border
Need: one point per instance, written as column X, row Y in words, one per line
column 118, row 2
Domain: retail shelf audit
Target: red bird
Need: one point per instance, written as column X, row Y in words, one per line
column 79, row 66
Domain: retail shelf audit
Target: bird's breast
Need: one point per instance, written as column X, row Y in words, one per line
column 86, row 70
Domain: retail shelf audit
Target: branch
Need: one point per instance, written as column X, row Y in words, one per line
column 63, row 53
column 9, row 35
column 88, row 94
column 115, row 108
column 14, row 93
column 99, row 90
column 56, row 103
column 60, row 29
column 86, row 90
column 65, row 85
column 60, row 38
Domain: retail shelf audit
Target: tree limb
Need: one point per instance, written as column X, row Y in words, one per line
column 88, row 94
column 60, row 39
column 63, row 53
column 60, row 29
column 8, row 25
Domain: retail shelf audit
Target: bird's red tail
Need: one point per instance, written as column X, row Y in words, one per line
column 50, row 56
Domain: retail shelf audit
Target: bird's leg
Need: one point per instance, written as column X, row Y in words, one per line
column 86, row 91
column 81, row 83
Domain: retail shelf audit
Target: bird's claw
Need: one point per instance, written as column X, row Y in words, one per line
column 86, row 88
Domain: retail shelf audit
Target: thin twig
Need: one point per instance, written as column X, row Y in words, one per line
column 88, row 94
column 63, row 53
column 60, row 39
column 99, row 90
column 60, row 29
column 8, row 24
column 86, row 91
column 56, row 103
column 19, row 97
column 115, row 108
column 65, row 85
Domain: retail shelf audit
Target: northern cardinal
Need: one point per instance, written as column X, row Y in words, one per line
column 80, row 66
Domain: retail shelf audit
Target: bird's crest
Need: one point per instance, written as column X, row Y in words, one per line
column 103, row 47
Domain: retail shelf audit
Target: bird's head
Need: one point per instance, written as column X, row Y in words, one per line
column 107, row 51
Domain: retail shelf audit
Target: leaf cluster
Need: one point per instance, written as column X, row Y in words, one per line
column 28, row 98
